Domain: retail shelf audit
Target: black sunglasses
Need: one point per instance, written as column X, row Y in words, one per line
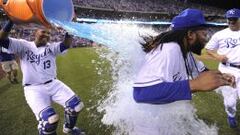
column 233, row 19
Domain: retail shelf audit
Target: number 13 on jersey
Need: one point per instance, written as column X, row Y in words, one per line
column 46, row 64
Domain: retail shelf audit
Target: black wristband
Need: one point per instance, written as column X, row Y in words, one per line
column 8, row 26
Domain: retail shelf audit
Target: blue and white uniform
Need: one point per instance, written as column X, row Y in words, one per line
column 41, row 87
column 227, row 42
column 163, row 77
column 38, row 63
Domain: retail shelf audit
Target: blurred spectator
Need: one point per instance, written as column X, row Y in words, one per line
column 148, row 5
column 9, row 65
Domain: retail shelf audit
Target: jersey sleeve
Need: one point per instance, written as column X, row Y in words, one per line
column 163, row 93
column 58, row 48
column 173, row 60
column 195, row 63
column 174, row 86
column 201, row 67
column 17, row 46
column 213, row 43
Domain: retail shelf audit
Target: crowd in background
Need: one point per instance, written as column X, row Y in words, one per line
column 173, row 6
column 57, row 35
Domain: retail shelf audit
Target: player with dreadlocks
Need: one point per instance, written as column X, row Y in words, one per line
column 170, row 72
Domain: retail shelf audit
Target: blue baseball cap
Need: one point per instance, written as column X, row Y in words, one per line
column 233, row 13
column 187, row 19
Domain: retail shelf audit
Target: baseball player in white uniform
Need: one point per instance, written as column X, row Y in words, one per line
column 170, row 72
column 41, row 87
column 224, row 46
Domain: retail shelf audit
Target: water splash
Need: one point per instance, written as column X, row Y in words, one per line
column 85, row 30
column 119, row 108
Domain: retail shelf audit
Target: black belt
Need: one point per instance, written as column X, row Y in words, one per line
column 27, row 84
column 231, row 65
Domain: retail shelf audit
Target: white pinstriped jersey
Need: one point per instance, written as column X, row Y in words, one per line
column 166, row 65
column 38, row 64
column 226, row 42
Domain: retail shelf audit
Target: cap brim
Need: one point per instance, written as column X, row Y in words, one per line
column 201, row 26
column 210, row 24
column 233, row 16
column 213, row 24
column 205, row 25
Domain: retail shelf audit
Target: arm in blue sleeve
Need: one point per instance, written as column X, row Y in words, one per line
column 165, row 92
column 4, row 40
column 4, row 43
column 66, row 43
column 63, row 47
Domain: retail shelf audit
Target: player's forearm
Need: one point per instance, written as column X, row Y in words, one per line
column 6, row 30
column 3, row 35
column 193, row 85
column 213, row 54
column 67, row 40
column 210, row 80
column 4, row 40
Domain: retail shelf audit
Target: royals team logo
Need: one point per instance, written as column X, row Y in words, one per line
column 177, row 77
column 36, row 58
column 231, row 12
column 231, row 43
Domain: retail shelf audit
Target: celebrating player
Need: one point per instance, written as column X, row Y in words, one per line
column 41, row 87
column 170, row 72
column 224, row 47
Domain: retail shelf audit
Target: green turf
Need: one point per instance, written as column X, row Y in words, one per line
column 78, row 70
column 210, row 107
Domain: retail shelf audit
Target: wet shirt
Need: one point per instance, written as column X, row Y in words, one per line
column 167, row 65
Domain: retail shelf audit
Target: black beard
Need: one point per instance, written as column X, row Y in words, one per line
column 197, row 48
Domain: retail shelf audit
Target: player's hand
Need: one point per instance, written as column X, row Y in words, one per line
column 230, row 78
column 222, row 58
column 6, row 29
column 211, row 80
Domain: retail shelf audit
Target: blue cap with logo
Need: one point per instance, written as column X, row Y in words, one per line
column 233, row 13
column 187, row 19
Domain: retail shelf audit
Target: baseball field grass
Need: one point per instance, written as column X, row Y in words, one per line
column 78, row 69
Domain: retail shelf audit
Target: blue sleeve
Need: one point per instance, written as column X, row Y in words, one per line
column 63, row 47
column 165, row 92
column 5, row 43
